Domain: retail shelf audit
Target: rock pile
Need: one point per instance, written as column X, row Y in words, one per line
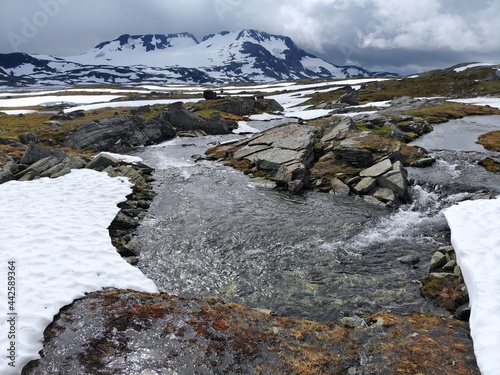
column 445, row 284
column 335, row 157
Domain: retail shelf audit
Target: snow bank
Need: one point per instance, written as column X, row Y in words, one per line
column 55, row 99
column 475, row 65
column 475, row 235
column 480, row 100
column 55, row 230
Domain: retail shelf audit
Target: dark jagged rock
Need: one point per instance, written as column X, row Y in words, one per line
column 8, row 171
column 184, row 120
column 350, row 96
column 209, row 95
column 119, row 133
column 101, row 162
column 27, row 138
column 37, row 168
column 34, row 153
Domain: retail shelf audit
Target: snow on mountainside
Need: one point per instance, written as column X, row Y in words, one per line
column 247, row 55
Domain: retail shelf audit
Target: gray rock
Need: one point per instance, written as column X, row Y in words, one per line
column 101, row 162
column 27, row 138
column 357, row 157
column 384, row 194
column 463, row 312
column 36, row 169
column 339, row 188
column 183, row 120
column 424, row 162
column 119, row 133
column 341, row 124
column 349, row 97
column 35, row 153
column 450, row 265
column 365, row 185
column 395, row 180
column 271, row 159
column 64, row 167
column 437, row 261
column 8, row 171
column 377, row 169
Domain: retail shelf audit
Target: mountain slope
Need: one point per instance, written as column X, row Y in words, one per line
column 247, row 55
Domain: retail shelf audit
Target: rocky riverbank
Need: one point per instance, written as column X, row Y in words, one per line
column 335, row 155
column 139, row 333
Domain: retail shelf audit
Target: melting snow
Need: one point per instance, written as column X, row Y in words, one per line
column 55, row 230
column 475, row 235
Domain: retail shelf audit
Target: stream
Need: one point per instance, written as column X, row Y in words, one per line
column 216, row 232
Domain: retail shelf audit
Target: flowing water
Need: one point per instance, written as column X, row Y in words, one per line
column 217, row 232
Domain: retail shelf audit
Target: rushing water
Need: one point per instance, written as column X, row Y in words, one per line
column 217, row 232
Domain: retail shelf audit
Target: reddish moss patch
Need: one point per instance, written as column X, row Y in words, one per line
column 443, row 291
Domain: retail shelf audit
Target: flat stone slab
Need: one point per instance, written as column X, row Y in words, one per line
column 377, row 169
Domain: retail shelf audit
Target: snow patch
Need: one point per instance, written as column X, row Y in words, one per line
column 55, row 230
column 475, row 235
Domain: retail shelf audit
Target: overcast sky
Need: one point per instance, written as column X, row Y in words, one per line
column 396, row 35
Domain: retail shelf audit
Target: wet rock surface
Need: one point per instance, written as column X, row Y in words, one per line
column 126, row 332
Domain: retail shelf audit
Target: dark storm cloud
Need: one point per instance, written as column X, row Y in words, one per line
column 376, row 34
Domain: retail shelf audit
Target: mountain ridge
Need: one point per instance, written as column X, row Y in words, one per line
column 246, row 55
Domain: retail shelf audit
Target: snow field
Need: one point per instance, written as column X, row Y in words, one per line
column 55, row 230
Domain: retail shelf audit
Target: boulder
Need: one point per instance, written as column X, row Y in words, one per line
column 36, row 169
column 438, row 260
column 34, row 153
column 377, row 169
column 268, row 105
column 365, row 185
column 101, row 162
column 183, row 120
column 240, row 106
column 396, row 180
column 27, row 138
column 209, row 95
column 349, row 97
column 339, row 188
column 8, row 171
column 64, row 167
column 119, row 133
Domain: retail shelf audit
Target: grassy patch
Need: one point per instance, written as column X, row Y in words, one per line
column 490, row 141
column 446, row 83
column 437, row 113
column 12, row 125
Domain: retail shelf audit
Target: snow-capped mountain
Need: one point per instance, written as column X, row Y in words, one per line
column 247, row 55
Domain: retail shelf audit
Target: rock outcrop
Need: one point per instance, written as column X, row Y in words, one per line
column 183, row 120
column 119, row 133
column 334, row 157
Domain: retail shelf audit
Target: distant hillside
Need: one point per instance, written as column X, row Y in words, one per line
column 247, row 56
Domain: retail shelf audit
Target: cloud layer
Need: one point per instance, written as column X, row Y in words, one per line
column 402, row 35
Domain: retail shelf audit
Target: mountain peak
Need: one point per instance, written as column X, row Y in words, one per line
column 247, row 55
column 147, row 42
